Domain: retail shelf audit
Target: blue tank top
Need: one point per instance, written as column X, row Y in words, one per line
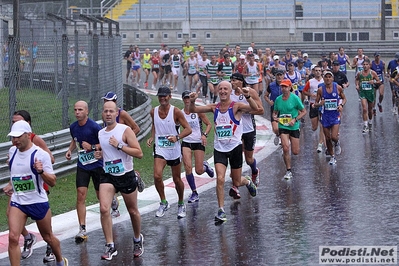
column 378, row 69
column 331, row 101
column 342, row 63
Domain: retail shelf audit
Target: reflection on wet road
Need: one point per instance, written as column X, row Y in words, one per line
column 352, row 203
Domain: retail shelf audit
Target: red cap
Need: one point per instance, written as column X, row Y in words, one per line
column 286, row 82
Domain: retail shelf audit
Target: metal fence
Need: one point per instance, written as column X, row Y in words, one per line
column 55, row 62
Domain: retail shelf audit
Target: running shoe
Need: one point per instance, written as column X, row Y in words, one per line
column 115, row 213
column 209, row 169
column 320, row 147
column 251, row 187
column 332, row 161
column 28, row 243
column 181, row 211
column 153, row 87
column 365, row 129
column 395, row 110
column 49, row 256
column 306, row 102
column 115, row 203
column 163, row 207
column 138, row 248
column 146, row 85
column 81, row 236
column 276, row 140
column 255, row 177
column 65, row 261
column 234, row 193
column 374, row 112
column 221, row 216
column 379, row 107
column 193, row 198
column 288, row 175
column 140, row 182
column 337, row 148
column 109, row 252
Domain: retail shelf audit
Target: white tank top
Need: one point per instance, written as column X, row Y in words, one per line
column 192, row 66
column 116, row 162
column 254, row 77
column 28, row 188
column 195, row 124
column 314, row 86
column 246, row 119
column 163, row 129
column 228, row 131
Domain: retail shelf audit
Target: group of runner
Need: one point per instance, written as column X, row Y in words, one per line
column 105, row 154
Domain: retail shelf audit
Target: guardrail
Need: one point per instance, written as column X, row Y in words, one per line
column 58, row 141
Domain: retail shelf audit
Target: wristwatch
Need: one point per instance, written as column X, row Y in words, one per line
column 120, row 146
column 93, row 147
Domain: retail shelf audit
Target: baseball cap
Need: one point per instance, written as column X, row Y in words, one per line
column 376, row 53
column 299, row 60
column 328, row 73
column 276, row 57
column 312, row 66
column 250, row 49
column 397, row 55
column 279, row 71
column 325, row 60
column 154, row 51
column 242, row 56
column 288, row 49
column 290, row 63
column 335, row 63
column 323, row 54
column 286, row 82
column 110, row 96
column 185, row 94
column 164, row 91
column 19, row 128
column 237, row 76
column 305, row 55
column 256, row 57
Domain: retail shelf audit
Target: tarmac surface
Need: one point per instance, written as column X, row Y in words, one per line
column 351, row 204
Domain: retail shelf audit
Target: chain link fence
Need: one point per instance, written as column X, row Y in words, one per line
column 55, row 62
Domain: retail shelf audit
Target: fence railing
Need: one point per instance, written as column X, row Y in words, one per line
column 58, row 141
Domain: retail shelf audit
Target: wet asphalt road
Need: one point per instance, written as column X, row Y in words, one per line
column 352, row 203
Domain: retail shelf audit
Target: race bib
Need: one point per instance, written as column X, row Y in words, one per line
column 176, row 63
column 342, row 68
column 23, row 184
column 192, row 69
column 114, row 167
column 366, row 86
column 165, row 143
column 359, row 69
column 224, row 131
column 330, row 104
column 86, row 157
column 294, row 87
column 155, row 66
column 285, row 119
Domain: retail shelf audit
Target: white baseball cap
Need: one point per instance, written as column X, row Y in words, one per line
column 19, row 128
column 276, row 57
